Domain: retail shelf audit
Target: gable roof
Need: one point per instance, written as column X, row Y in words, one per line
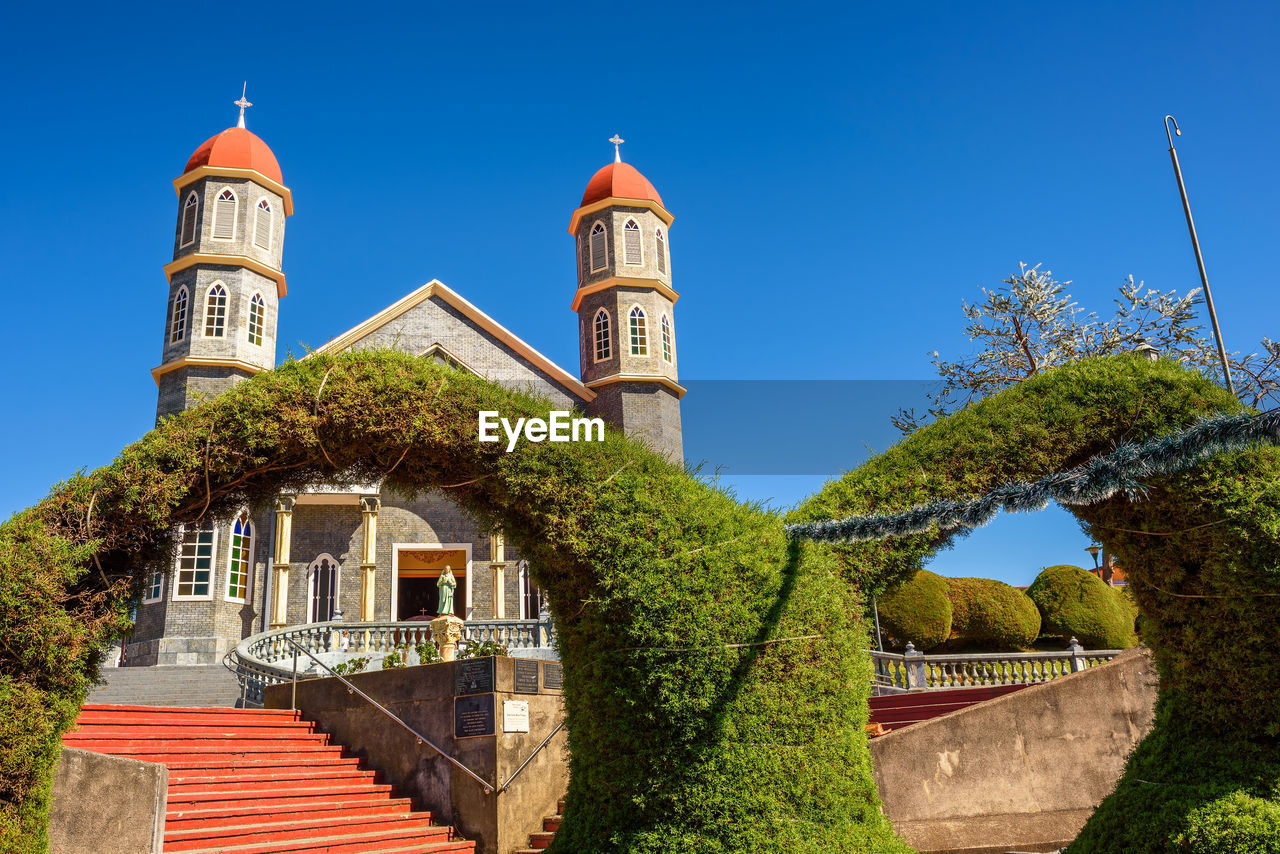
column 437, row 288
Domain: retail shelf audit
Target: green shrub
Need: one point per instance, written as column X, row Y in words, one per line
column 989, row 614
column 1236, row 824
column 1076, row 603
column 483, row 649
column 918, row 612
column 351, row 666
column 427, row 653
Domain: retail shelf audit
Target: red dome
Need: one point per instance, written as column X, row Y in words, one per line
column 619, row 181
column 237, row 148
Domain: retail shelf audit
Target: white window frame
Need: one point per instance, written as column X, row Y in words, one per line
column 639, row 232
column 396, row 548
column 631, row 338
column 668, row 339
column 248, row 320
column 271, row 229
column 311, row 585
column 155, row 581
column 248, row 564
column 662, row 260
column 208, row 295
column 524, row 581
column 608, row 336
column 213, row 568
column 175, row 334
column 598, row 227
column 235, row 215
column 192, row 204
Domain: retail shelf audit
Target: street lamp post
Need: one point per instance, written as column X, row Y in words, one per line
column 1093, row 550
column 1195, row 245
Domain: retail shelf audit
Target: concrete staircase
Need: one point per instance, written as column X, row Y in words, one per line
column 542, row 840
column 202, row 685
column 261, row 782
column 894, row 711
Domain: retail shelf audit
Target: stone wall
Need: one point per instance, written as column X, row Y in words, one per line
column 1020, row 772
column 107, row 805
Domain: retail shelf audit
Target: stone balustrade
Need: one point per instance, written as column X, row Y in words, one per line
column 915, row 671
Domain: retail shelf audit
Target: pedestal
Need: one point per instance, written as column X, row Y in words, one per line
column 446, row 631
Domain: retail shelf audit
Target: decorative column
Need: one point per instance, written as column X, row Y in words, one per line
column 498, row 563
column 280, row 561
column 369, row 506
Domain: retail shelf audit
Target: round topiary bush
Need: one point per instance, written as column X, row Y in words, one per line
column 918, row 612
column 990, row 614
column 1076, row 603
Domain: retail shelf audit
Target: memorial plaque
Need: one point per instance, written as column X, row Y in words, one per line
column 515, row 715
column 552, row 675
column 473, row 716
column 526, row 676
column 473, row 677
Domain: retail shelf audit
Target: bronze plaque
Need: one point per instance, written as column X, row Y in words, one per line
column 473, row 716
column 526, row 676
column 474, row 676
column 552, row 675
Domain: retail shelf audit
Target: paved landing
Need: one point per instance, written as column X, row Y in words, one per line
column 208, row 685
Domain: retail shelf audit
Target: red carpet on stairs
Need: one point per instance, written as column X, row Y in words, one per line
column 245, row 781
column 894, row 711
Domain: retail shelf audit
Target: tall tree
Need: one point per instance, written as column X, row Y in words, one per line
column 1030, row 324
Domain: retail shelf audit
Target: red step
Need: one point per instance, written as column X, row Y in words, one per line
column 261, row 782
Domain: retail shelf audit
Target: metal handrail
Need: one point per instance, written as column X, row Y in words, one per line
column 545, row 742
column 352, row 689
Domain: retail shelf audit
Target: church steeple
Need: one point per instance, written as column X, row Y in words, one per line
column 225, row 279
column 626, row 305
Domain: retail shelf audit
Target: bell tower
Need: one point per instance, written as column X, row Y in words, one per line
column 626, row 306
column 226, row 278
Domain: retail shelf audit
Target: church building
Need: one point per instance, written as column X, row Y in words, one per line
column 361, row 555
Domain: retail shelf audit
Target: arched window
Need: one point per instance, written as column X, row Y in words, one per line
column 262, row 225
column 322, row 588
column 666, row 339
column 257, row 319
column 224, row 216
column 189, row 210
column 599, row 248
column 215, row 312
column 178, row 322
column 639, row 333
column 631, row 247
column 195, row 563
column 662, row 252
column 604, row 347
column 241, row 552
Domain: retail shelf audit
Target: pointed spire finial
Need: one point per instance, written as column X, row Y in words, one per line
column 242, row 103
column 617, row 152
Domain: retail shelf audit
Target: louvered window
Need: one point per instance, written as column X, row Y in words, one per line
column 631, row 243
column 662, row 253
column 178, row 325
column 324, row 588
column 598, row 247
column 604, row 347
column 189, row 209
column 666, row 339
column 238, row 560
column 224, row 216
column 195, row 562
column 262, row 225
column 215, row 312
column 639, row 333
column 257, row 318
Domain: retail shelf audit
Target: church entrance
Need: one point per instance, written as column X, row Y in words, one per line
column 419, row 570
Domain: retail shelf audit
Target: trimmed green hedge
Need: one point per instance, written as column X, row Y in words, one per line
column 989, row 614
column 1203, row 577
column 1076, row 603
column 917, row 612
column 716, row 674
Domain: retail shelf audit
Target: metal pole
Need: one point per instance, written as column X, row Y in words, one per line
column 876, row 611
column 1195, row 244
column 294, row 703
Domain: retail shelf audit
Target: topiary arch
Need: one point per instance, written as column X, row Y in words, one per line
column 689, row 730
column 715, row 672
column 1202, row 555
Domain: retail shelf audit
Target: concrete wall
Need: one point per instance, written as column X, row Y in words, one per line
column 1021, row 772
column 423, row 698
column 107, row 805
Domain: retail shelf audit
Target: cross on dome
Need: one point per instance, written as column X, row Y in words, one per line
column 242, row 103
column 617, row 152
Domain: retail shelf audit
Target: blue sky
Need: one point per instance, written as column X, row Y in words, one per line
column 842, row 176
